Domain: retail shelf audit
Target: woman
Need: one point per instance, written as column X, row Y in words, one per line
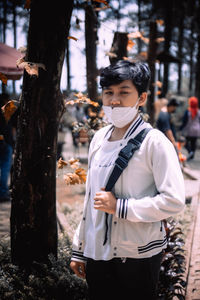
column 149, row 190
column 191, row 126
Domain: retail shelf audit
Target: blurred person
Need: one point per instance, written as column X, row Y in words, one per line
column 66, row 122
column 118, row 244
column 164, row 122
column 160, row 105
column 7, row 142
column 191, row 126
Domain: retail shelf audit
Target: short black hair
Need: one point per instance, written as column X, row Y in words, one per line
column 138, row 72
column 173, row 102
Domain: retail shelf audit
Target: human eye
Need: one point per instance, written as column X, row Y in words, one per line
column 108, row 92
column 124, row 92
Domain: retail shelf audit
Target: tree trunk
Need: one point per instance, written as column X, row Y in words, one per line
column 91, row 51
column 197, row 79
column 14, row 37
column 191, row 63
column 33, row 211
column 197, row 73
column 152, row 51
column 167, row 36
column 5, row 21
column 68, row 66
column 180, row 52
column 119, row 46
column 139, row 42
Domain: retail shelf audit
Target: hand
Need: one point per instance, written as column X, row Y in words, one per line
column 105, row 201
column 78, row 268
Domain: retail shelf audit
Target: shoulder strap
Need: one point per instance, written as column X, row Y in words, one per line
column 121, row 163
column 124, row 156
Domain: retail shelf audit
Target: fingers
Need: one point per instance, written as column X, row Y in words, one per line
column 78, row 268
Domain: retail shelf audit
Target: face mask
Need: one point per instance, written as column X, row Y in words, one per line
column 120, row 116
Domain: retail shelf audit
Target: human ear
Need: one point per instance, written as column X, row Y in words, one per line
column 142, row 99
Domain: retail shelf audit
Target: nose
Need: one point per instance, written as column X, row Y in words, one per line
column 114, row 100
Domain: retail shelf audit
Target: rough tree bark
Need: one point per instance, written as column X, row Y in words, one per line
column 119, row 46
column 33, row 211
column 152, row 53
column 167, row 35
column 91, row 50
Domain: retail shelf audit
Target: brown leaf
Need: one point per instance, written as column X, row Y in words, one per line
column 82, row 174
column 9, row 108
column 72, row 38
column 27, row 4
column 22, row 50
column 30, row 67
column 130, row 45
column 134, row 35
column 101, row 1
column 158, row 83
column 67, row 178
column 160, row 40
column 61, row 163
column 20, row 62
column 160, row 22
column 3, row 78
column 144, row 54
column 111, row 54
column 145, row 40
column 101, row 8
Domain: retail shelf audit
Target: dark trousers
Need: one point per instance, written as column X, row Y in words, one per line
column 134, row 279
column 191, row 143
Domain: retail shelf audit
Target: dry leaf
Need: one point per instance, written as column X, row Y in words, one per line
column 160, row 22
column 74, row 163
column 30, row 67
column 3, row 78
column 145, row 40
column 27, row 4
column 9, row 108
column 134, row 35
column 68, row 178
column 101, row 8
column 19, row 62
column 22, row 50
column 130, row 45
column 82, row 174
column 101, row 1
column 160, row 40
column 111, row 54
column 72, row 38
column 158, row 83
column 61, row 163
column 158, row 93
column 143, row 54
column 83, row 99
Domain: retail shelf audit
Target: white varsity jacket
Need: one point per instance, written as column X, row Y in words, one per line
column 149, row 190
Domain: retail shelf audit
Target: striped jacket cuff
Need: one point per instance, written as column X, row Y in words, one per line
column 122, row 208
column 78, row 256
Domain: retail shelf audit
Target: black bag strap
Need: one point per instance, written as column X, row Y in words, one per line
column 122, row 162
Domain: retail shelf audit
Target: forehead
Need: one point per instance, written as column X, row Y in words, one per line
column 124, row 84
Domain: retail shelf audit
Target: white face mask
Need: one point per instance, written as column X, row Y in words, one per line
column 120, row 116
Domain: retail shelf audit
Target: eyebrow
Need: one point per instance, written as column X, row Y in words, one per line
column 125, row 87
column 121, row 87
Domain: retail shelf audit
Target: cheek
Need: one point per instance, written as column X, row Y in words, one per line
column 105, row 100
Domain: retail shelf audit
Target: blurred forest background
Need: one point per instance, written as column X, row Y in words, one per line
column 107, row 30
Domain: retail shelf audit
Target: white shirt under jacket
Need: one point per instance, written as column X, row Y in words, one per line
column 149, row 190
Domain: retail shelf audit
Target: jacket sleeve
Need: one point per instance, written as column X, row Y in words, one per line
column 77, row 248
column 168, row 179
